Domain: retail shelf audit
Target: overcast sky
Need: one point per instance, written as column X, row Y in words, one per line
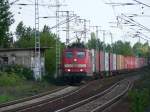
column 96, row 11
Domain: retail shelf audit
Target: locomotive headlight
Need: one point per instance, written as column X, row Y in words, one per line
column 81, row 70
column 68, row 70
column 75, row 60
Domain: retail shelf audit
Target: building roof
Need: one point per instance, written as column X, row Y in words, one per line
column 22, row 49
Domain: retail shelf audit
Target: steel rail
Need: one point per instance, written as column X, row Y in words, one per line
column 26, row 105
column 110, row 102
column 29, row 98
column 78, row 104
column 44, row 102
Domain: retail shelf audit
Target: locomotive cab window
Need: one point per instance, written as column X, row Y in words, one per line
column 80, row 54
column 69, row 54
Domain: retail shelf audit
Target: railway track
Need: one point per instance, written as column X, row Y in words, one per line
column 20, row 104
column 30, row 97
column 49, row 102
column 101, row 101
column 61, row 98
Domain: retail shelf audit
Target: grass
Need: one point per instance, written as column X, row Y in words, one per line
column 26, row 89
column 10, row 79
column 5, row 98
column 17, row 82
column 139, row 97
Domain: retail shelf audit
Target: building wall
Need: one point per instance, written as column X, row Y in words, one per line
column 25, row 58
column 17, row 57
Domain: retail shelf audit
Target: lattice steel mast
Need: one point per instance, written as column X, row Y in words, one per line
column 97, row 36
column 67, row 29
column 85, row 30
column 57, row 40
column 37, row 63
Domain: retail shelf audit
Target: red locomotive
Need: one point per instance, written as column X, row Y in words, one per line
column 79, row 62
column 76, row 62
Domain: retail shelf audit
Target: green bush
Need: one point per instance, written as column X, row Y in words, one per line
column 5, row 98
column 139, row 100
column 9, row 79
column 21, row 71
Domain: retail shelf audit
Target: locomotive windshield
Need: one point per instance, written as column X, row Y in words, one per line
column 69, row 54
column 80, row 54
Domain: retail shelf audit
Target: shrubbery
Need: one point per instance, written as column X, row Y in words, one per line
column 11, row 75
column 140, row 95
column 5, row 98
column 9, row 79
column 21, row 71
column 139, row 100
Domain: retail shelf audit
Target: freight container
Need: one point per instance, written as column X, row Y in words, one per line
column 139, row 62
column 132, row 62
column 125, row 61
column 141, row 59
column 106, row 61
column 97, row 61
column 118, row 62
column 114, row 62
column 136, row 62
column 122, row 62
column 102, row 61
column 93, row 61
column 145, row 61
column 110, row 61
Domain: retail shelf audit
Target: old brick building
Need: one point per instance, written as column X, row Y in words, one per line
column 21, row 56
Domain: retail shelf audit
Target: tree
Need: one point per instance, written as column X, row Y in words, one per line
column 93, row 43
column 20, row 30
column 6, row 19
column 47, row 39
column 141, row 50
column 24, row 32
column 25, row 36
column 137, row 49
column 145, row 50
column 46, row 29
column 122, row 48
column 108, row 48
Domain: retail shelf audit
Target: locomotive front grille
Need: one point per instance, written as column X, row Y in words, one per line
column 75, row 65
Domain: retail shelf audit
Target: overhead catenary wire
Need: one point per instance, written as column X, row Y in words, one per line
column 26, row 4
column 142, row 3
column 63, row 22
column 146, row 37
column 12, row 3
column 134, row 22
column 129, row 19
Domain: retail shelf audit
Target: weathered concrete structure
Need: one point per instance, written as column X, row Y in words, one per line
column 21, row 56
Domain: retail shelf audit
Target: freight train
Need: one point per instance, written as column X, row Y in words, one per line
column 79, row 62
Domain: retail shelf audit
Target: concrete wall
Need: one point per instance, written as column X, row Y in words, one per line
column 25, row 58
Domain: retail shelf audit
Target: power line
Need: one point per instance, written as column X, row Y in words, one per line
column 12, row 3
column 25, row 4
column 63, row 22
column 136, row 23
column 122, row 4
column 142, row 3
column 136, row 15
